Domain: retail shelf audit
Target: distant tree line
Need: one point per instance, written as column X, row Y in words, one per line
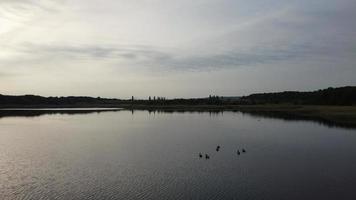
column 27, row 100
column 157, row 100
column 330, row 96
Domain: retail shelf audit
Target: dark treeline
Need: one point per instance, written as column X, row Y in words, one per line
column 39, row 101
column 28, row 100
column 330, row 96
column 211, row 100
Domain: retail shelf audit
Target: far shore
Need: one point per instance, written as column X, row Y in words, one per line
column 338, row 114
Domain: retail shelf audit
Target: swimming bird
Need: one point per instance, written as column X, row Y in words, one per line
column 200, row 155
column 243, row 151
column 238, row 152
column 207, row 156
column 218, row 148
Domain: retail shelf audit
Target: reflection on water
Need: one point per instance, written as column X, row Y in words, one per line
column 257, row 114
column 141, row 155
column 50, row 111
column 291, row 117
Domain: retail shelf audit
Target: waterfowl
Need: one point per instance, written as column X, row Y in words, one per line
column 200, row 155
column 243, row 151
column 238, row 152
column 218, row 148
column 207, row 156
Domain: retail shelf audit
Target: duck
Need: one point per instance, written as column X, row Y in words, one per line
column 243, row 151
column 218, row 148
column 200, row 155
column 238, row 152
column 207, row 156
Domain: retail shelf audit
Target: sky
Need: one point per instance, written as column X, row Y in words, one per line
column 175, row 48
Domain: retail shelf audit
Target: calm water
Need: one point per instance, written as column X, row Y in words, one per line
column 141, row 155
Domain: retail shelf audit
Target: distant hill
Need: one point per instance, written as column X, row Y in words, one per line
column 330, row 96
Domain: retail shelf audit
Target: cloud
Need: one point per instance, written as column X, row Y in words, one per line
column 290, row 33
column 128, row 40
column 25, row 5
column 156, row 57
column 24, row 10
column 76, row 52
column 7, row 75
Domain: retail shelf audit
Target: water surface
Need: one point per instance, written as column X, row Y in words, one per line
column 142, row 155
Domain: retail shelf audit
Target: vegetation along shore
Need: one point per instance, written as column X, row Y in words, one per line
column 332, row 104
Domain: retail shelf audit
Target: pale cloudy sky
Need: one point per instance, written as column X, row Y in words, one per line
column 175, row 48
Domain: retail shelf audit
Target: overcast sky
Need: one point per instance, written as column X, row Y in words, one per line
column 175, row 48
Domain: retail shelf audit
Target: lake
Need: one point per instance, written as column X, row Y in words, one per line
column 155, row 155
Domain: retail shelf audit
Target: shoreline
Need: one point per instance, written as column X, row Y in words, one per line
column 337, row 114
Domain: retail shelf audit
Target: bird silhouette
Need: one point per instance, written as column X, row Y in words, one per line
column 238, row 152
column 207, row 156
column 200, row 155
column 243, row 151
column 218, row 148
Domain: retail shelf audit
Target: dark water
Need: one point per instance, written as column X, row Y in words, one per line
column 125, row 155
